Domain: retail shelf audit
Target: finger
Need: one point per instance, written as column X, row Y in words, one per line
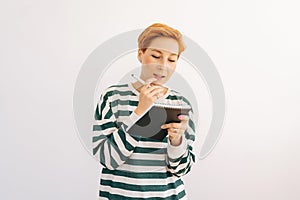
column 150, row 80
column 174, row 130
column 173, row 134
column 147, row 89
column 165, row 126
column 157, row 92
column 171, row 125
column 155, row 88
column 183, row 117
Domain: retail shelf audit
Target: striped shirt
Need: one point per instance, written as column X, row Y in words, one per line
column 138, row 168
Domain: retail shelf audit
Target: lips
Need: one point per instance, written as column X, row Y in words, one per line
column 158, row 76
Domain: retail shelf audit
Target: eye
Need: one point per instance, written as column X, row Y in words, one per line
column 172, row 60
column 155, row 56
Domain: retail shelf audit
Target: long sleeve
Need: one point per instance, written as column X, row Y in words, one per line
column 181, row 158
column 112, row 145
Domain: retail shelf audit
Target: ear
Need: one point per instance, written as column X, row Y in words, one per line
column 139, row 56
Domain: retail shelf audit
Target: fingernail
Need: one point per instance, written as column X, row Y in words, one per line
column 180, row 116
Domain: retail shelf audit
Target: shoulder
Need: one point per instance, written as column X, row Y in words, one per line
column 116, row 91
column 117, row 88
column 178, row 96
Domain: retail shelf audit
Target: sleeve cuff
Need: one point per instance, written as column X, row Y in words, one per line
column 130, row 120
column 177, row 151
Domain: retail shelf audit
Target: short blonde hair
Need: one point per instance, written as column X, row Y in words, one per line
column 159, row 30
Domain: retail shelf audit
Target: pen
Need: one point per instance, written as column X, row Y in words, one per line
column 138, row 79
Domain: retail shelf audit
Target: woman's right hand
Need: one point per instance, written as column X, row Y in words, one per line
column 148, row 94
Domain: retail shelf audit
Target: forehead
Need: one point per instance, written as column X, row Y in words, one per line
column 165, row 44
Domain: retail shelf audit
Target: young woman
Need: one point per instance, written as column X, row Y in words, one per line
column 144, row 168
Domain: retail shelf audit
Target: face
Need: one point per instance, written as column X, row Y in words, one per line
column 159, row 60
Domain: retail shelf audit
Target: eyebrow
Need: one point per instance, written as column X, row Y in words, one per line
column 173, row 54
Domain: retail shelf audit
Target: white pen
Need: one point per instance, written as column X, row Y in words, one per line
column 138, row 79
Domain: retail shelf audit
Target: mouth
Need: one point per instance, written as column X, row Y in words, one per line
column 158, row 77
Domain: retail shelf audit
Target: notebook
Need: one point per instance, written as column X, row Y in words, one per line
column 148, row 126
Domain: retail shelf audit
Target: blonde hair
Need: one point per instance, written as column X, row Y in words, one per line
column 159, row 30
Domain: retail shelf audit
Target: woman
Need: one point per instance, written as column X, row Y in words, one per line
column 143, row 168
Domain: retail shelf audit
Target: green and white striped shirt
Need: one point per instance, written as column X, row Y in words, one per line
column 138, row 168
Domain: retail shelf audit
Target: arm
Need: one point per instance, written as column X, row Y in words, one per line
column 112, row 145
column 180, row 158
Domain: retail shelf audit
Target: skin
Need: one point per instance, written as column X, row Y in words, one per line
column 158, row 64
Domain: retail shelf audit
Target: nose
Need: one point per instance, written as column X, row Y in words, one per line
column 163, row 63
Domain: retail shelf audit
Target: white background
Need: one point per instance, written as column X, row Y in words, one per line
column 254, row 44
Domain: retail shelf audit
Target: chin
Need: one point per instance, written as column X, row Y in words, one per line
column 158, row 83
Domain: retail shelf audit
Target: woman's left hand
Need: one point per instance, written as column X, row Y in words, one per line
column 176, row 130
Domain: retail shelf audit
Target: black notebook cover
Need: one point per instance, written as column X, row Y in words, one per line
column 148, row 126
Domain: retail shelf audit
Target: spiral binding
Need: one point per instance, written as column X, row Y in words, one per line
column 172, row 106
